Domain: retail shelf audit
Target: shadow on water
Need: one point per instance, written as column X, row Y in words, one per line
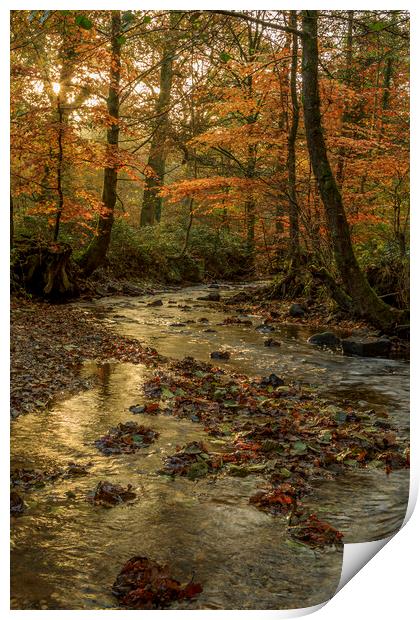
column 67, row 553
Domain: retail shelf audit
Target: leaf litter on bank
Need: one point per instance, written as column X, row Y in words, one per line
column 142, row 583
column 46, row 359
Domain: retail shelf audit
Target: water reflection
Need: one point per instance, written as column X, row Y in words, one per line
column 67, row 553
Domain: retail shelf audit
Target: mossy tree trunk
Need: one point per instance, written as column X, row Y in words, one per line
column 365, row 301
column 95, row 254
column 291, row 149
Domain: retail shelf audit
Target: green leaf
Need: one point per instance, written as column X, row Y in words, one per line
column 341, row 417
column 121, row 39
column 167, row 393
column 377, row 27
column 299, row 447
column 127, row 16
column 325, row 437
column 224, row 56
column 83, row 22
column 147, row 19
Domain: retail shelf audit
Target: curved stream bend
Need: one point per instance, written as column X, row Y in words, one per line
column 67, row 553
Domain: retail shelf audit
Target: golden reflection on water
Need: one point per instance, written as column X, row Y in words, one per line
column 66, row 553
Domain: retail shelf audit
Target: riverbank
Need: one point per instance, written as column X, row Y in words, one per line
column 49, row 344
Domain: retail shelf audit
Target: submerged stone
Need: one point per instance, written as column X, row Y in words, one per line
column 220, row 355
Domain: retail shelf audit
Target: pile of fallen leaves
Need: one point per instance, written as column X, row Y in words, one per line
column 108, row 494
column 315, row 533
column 48, row 346
column 29, row 479
column 17, row 505
column 287, row 433
column 193, row 461
column 125, row 438
column 145, row 584
column 278, row 500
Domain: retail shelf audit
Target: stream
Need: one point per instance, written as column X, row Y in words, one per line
column 66, row 553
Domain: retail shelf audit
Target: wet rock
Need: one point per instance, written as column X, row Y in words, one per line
column 366, row 347
column 325, row 339
column 272, row 380
column 177, row 324
column 108, row 494
column 264, row 328
column 213, row 296
column 155, row 304
column 270, row 342
column 297, row 310
column 136, row 409
column 214, row 285
column 16, row 504
column 209, row 331
column 233, row 320
column 220, row 355
column 203, row 320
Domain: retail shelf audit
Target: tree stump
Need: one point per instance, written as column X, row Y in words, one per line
column 43, row 269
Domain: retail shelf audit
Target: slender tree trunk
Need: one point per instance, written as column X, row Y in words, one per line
column 12, row 227
column 59, row 169
column 291, row 149
column 152, row 202
column 250, row 207
column 346, row 112
column 365, row 301
column 97, row 249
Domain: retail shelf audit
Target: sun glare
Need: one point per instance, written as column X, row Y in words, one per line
column 56, row 87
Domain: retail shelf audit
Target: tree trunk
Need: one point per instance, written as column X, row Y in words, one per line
column 60, row 194
column 12, row 227
column 365, row 301
column 97, row 249
column 291, row 150
column 346, row 112
column 152, row 202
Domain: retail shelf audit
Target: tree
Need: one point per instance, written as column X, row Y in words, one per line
column 152, row 200
column 361, row 297
column 95, row 253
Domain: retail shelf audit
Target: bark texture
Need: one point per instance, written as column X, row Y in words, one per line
column 96, row 252
column 364, row 299
column 152, row 202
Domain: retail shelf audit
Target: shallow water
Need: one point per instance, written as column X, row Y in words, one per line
column 67, row 553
